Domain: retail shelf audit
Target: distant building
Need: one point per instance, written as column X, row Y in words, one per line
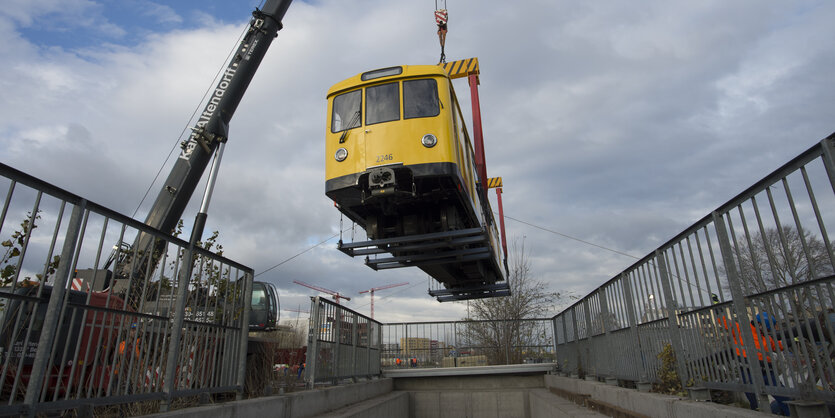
column 425, row 349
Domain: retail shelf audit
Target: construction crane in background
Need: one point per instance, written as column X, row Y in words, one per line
column 335, row 295
column 374, row 289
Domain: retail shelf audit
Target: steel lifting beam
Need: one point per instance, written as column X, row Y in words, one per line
column 424, row 249
column 476, row 292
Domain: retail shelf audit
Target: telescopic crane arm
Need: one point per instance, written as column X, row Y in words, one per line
column 208, row 133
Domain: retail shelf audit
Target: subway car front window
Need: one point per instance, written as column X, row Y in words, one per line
column 382, row 103
column 346, row 111
column 420, row 98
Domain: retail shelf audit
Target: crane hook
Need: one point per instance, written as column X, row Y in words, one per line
column 441, row 17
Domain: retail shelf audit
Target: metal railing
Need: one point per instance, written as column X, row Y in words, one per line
column 744, row 296
column 467, row 343
column 84, row 323
column 342, row 344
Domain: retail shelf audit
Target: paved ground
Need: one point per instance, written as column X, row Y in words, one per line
column 559, row 406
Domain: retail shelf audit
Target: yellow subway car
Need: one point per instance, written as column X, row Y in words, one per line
column 400, row 163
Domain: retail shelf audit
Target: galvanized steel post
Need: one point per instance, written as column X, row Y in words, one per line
column 739, row 304
column 312, row 343
column 177, row 326
column 54, row 307
column 337, row 344
column 828, row 148
column 672, row 316
column 554, row 333
column 604, row 320
column 632, row 316
column 247, row 302
column 576, row 337
column 591, row 358
column 354, row 334
column 368, row 339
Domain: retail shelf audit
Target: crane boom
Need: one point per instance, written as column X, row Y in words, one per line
column 208, row 133
column 212, row 127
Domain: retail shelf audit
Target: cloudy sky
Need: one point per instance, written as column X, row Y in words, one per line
column 611, row 122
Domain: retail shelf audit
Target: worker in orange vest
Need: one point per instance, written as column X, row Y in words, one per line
column 767, row 342
column 130, row 340
column 761, row 343
column 397, row 361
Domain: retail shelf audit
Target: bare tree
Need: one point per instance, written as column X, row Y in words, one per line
column 782, row 257
column 503, row 328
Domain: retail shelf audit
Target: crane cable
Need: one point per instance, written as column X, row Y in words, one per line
column 197, row 108
column 441, row 18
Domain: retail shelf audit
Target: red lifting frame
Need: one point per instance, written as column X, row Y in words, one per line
column 478, row 138
column 501, row 220
column 480, row 163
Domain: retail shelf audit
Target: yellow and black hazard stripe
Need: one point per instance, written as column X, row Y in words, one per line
column 461, row 68
column 494, row 182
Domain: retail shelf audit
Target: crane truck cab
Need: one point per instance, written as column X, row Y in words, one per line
column 263, row 315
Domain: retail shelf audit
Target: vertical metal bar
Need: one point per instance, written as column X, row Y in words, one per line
column 183, row 280
column 312, row 343
column 379, row 344
column 576, row 336
column 810, row 263
column 85, row 360
column 240, row 376
column 633, row 326
column 695, row 268
column 792, row 268
column 821, row 224
column 828, row 150
column 708, row 289
column 64, row 307
column 6, row 203
column 337, row 343
column 751, row 249
column 59, row 287
column 713, row 263
column 675, row 273
column 591, row 360
column 739, row 305
column 672, row 315
column 354, row 335
column 769, row 252
column 607, row 340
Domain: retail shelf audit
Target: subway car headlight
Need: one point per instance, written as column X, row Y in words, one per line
column 429, row 140
column 341, row 154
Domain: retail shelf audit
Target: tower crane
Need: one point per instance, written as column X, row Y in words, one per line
column 336, row 296
column 373, row 289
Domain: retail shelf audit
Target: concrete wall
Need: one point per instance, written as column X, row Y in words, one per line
column 296, row 405
column 649, row 404
column 466, row 396
column 470, row 403
column 393, row 405
column 488, row 396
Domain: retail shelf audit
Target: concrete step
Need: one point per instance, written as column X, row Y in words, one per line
column 391, row 405
column 545, row 404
